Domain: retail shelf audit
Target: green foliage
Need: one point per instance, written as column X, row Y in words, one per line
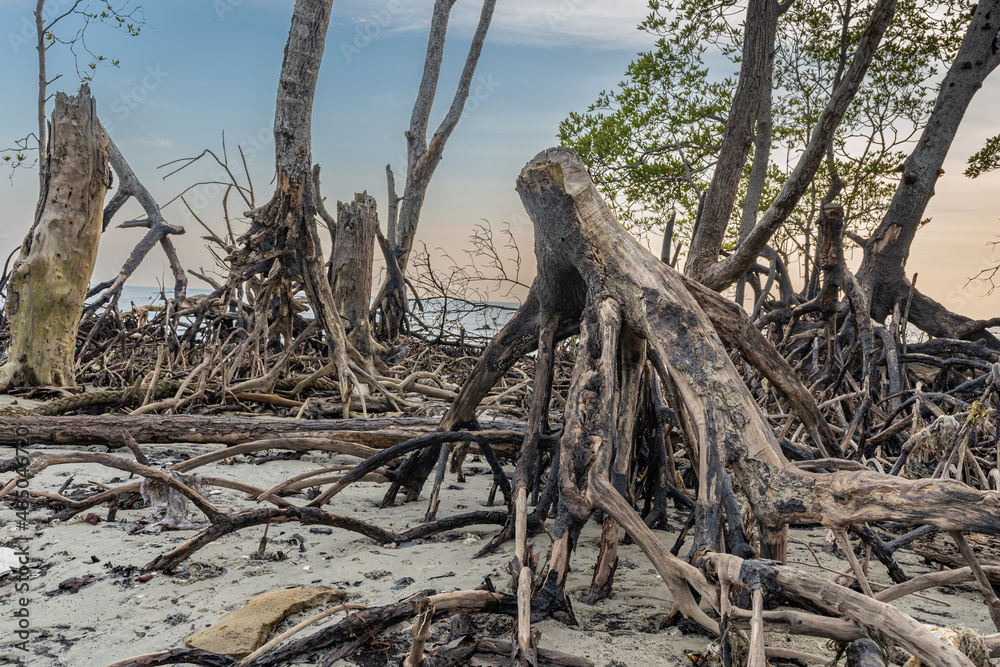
column 16, row 156
column 123, row 16
column 986, row 160
column 651, row 143
column 70, row 28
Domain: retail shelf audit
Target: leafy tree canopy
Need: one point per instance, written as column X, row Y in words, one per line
column 651, row 142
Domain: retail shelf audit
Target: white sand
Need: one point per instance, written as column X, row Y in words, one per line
column 116, row 616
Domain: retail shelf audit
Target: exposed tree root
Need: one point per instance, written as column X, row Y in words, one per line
column 592, row 272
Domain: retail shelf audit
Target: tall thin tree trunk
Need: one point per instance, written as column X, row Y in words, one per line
column 882, row 269
column 50, row 278
column 422, row 157
column 761, row 25
column 284, row 230
column 43, row 84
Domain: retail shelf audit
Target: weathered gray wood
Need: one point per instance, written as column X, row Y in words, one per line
column 422, row 157
column 841, row 601
column 297, row 87
column 50, row 277
column 351, row 269
column 130, row 186
column 393, row 206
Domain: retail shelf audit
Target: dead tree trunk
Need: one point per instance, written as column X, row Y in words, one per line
column 283, row 241
column 49, row 280
column 592, row 272
column 423, row 157
column 160, row 230
column 351, row 269
column 882, row 269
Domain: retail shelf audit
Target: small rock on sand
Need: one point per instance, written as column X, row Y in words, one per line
column 244, row 630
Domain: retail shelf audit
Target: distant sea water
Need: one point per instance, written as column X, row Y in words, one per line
column 145, row 296
column 480, row 320
column 483, row 321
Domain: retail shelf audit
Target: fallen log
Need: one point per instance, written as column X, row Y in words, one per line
column 106, row 430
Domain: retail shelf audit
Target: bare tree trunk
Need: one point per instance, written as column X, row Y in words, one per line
column 43, row 85
column 283, row 239
column 882, row 269
column 422, row 158
column 351, row 269
column 761, row 25
column 49, row 280
column 721, row 274
column 392, row 208
column 130, row 186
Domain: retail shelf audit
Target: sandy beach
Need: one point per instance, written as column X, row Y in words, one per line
column 116, row 616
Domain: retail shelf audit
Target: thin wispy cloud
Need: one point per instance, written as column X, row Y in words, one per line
column 548, row 23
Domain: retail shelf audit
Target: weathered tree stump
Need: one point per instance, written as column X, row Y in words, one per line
column 50, row 278
column 351, row 269
column 595, row 278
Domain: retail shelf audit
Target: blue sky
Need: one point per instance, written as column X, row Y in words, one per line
column 204, row 67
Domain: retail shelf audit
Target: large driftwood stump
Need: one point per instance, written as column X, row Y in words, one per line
column 629, row 307
column 50, row 277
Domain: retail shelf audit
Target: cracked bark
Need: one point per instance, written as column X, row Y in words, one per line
column 49, row 280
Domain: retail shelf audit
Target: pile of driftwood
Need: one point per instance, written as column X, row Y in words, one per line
column 647, row 394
